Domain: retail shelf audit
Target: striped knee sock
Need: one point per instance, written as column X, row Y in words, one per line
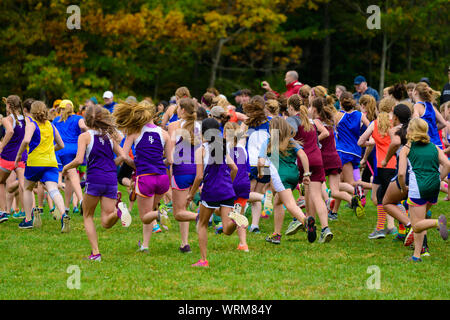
column 381, row 219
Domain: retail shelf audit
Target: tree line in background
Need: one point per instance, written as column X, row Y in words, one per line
column 149, row 47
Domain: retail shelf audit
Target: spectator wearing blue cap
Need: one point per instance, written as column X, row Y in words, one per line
column 362, row 89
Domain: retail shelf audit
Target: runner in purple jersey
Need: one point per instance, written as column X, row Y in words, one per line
column 14, row 125
column 99, row 147
column 216, row 170
column 185, row 138
column 151, row 146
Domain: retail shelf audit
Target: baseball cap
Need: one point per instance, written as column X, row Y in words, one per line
column 56, row 103
column 108, row 95
column 359, row 80
column 426, row 80
column 130, row 99
column 65, row 103
column 217, row 111
column 94, row 100
column 237, row 93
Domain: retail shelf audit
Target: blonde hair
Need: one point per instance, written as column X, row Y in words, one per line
column 386, row 106
column 182, row 92
column 296, row 103
column 220, row 101
column 190, row 116
column 132, row 117
column 39, row 111
column 233, row 130
column 285, row 133
column 322, row 92
column 370, row 105
column 418, row 131
column 273, row 106
column 67, row 111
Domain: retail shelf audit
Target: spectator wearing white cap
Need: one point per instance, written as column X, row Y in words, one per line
column 108, row 97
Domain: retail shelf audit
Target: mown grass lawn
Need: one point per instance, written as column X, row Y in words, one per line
column 35, row 263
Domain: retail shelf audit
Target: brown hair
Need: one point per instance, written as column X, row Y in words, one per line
column 324, row 110
column 132, row 117
column 424, row 91
column 370, row 105
column 190, row 116
column 304, row 94
column 270, row 96
column 27, row 104
column 295, row 102
column 182, row 92
column 273, row 106
column 15, row 105
column 39, row 111
column 347, row 101
column 100, row 119
column 254, row 110
column 207, row 99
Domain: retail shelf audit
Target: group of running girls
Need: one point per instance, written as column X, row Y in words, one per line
column 230, row 163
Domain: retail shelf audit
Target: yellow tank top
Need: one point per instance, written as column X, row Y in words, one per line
column 41, row 150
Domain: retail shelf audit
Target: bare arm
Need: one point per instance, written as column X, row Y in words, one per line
column 167, row 148
column 199, row 173
column 393, row 146
column 82, row 125
column 323, row 132
column 58, row 140
column 126, row 149
column 169, row 113
column 365, row 120
column 443, row 160
column 366, row 135
column 402, row 165
column 305, row 163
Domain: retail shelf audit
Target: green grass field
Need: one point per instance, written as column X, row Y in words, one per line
column 35, row 263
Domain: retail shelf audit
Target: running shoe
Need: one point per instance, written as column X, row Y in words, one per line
column 428, row 215
column 442, row 222
column 201, row 263
column 37, row 221
column 425, row 252
column 185, row 249
column 123, row 214
column 332, row 216
column 311, row 229
column 400, row 237
column 414, row 259
column 274, row 238
column 65, row 226
column 325, row 235
column 357, row 206
column 409, row 239
column 3, row 217
column 19, row 215
column 377, row 234
column 53, row 213
column 243, row 248
column 76, row 210
column 219, row 228
column 390, row 231
column 163, row 216
column 196, row 198
column 301, row 203
column 141, row 249
column 95, row 257
column 236, row 216
column 253, row 229
column 360, row 193
column 332, row 203
column 293, row 227
column 26, row 224
column 156, row 229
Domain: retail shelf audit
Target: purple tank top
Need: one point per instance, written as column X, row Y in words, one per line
column 9, row 152
column 241, row 183
column 217, row 184
column 184, row 154
column 149, row 151
column 101, row 168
